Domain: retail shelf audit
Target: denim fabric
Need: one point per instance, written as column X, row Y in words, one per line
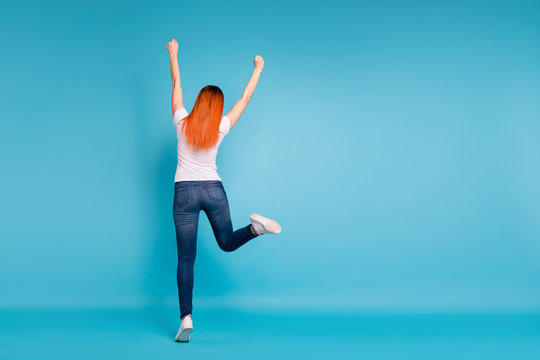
column 190, row 197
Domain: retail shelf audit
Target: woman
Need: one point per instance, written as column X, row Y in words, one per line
column 197, row 183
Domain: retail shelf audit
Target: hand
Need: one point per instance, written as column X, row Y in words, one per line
column 172, row 47
column 259, row 62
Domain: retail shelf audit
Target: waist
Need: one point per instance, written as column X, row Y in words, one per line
column 196, row 173
column 194, row 182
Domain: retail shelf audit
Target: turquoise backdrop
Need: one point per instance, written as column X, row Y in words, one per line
column 397, row 143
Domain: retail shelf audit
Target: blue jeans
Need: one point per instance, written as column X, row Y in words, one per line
column 190, row 197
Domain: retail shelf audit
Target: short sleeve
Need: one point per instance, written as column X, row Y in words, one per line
column 225, row 125
column 179, row 115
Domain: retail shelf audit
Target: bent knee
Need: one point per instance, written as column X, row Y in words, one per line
column 226, row 248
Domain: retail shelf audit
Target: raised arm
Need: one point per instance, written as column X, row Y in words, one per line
column 241, row 104
column 172, row 48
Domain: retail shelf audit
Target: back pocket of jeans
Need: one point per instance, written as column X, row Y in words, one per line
column 215, row 192
column 181, row 197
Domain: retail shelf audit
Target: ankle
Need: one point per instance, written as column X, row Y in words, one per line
column 253, row 231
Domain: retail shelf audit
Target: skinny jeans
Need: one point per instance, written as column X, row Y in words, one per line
column 190, row 197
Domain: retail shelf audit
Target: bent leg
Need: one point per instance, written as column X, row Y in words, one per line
column 218, row 212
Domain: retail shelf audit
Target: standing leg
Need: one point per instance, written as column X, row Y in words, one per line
column 186, row 221
column 216, row 207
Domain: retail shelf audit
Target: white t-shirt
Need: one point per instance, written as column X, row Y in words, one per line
column 197, row 164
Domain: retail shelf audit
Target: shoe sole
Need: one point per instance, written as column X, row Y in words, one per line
column 269, row 225
column 184, row 335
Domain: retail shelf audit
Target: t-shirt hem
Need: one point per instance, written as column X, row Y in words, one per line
column 178, row 180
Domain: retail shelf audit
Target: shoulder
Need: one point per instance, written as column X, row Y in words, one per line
column 179, row 115
column 225, row 125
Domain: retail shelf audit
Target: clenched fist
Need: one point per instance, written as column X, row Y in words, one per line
column 172, row 47
column 259, row 62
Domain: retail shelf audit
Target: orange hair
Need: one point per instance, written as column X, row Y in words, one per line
column 201, row 126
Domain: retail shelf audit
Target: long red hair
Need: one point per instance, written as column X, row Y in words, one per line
column 201, row 126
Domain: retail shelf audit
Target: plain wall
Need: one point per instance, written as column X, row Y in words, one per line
column 397, row 143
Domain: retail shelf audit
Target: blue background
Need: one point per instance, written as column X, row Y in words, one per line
column 397, row 143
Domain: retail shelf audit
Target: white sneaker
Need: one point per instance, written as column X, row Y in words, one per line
column 186, row 327
column 263, row 225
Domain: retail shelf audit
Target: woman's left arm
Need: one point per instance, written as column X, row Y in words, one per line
column 172, row 48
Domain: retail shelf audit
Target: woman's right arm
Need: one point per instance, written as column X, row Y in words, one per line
column 241, row 104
